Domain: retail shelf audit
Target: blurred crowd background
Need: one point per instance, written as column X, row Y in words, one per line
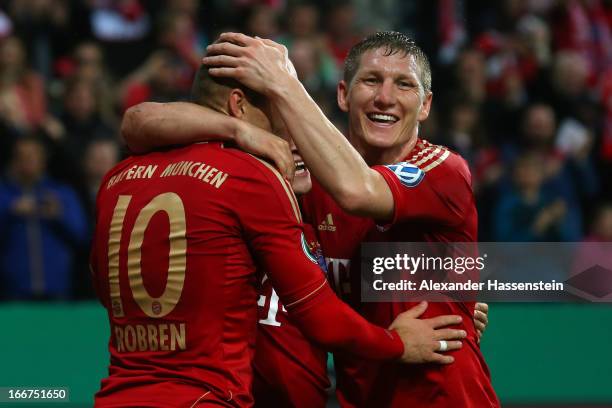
column 522, row 90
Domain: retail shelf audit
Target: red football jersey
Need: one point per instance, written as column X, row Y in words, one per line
column 433, row 203
column 178, row 237
column 289, row 370
column 174, row 269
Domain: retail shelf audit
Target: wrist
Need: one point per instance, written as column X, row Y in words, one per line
column 281, row 90
column 399, row 348
column 237, row 129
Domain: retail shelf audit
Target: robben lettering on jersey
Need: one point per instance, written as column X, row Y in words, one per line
column 408, row 174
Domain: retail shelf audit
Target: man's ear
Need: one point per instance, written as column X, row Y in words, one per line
column 424, row 113
column 342, row 95
column 236, row 103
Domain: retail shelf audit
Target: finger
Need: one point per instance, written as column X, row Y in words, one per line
column 221, row 61
column 449, row 334
column 290, row 165
column 409, row 314
column 481, row 317
column 453, row 345
column 284, row 161
column 289, row 174
column 225, row 48
column 442, row 321
column 478, row 336
column 483, row 307
column 480, row 326
column 450, row 345
column 415, row 311
column 225, row 72
column 283, row 167
column 441, row 359
column 237, row 38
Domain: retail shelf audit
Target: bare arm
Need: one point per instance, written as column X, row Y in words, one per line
column 263, row 66
column 151, row 125
column 339, row 168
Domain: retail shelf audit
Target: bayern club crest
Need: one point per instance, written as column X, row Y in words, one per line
column 408, row 174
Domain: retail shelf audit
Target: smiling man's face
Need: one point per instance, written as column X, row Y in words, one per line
column 385, row 100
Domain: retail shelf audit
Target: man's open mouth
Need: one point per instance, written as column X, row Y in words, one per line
column 300, row 167
column 382, row 118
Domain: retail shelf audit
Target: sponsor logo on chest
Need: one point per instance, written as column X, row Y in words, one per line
column 327, row 224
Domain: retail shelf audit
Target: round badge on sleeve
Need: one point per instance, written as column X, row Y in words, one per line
column 307, row 250
column 408, row 174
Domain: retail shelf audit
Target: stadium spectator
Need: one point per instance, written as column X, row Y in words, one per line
column 594, row 250
column 261, row 20
column 464, row 134
column 315, row 70
column 42, row 223
column 601, row 227
column 470, row 76
column 45, row 28
column 82, row 118
column 123, row 28
column 584, row 27
column 565, row 155
column 309, row 51
column 23, row 102
column 178, row 33
column 569, row 93
column 382, row 15
column 196, row 31
column 528, row 212
column 341, row 33
column 100, row 156
column 79, row 121
column 301, row 21
column 467, row 136
column 160, row 79
column 87, row 63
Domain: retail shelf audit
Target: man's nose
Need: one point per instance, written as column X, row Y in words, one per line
column 385, row 94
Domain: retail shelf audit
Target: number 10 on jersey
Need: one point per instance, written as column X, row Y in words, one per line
column 155, row 307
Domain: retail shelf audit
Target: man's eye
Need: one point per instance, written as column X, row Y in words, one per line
column 370, row 80
column 406, row 85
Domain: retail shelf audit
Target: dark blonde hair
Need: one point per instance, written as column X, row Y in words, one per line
column 392, row 42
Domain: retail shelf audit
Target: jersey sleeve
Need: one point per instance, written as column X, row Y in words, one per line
column 272, row 225
column 442, row 195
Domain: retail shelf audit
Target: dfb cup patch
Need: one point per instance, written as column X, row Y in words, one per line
column 408, row 174
column 307, row 250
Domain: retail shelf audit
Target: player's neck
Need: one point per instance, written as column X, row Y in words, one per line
column 374, row 155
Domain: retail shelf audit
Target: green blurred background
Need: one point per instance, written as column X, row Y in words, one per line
column 549, row 354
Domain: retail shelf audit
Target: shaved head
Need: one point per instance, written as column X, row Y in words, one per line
column 214, row 92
